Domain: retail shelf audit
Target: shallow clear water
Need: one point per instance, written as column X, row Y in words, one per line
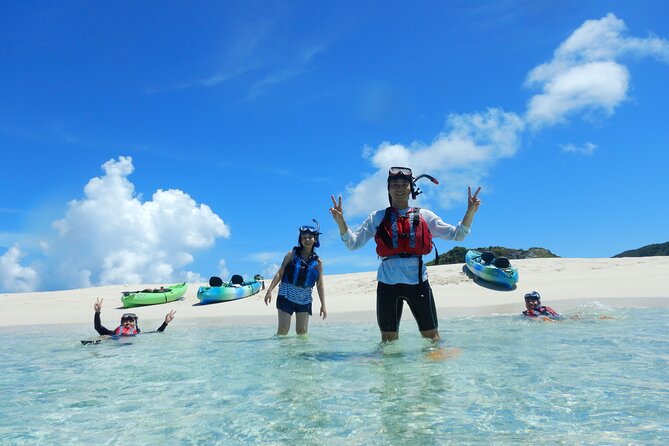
column 586, row 381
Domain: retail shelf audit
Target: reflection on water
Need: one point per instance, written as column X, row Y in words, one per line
column 585, row 381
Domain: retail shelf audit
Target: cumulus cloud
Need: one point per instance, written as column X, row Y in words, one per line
column 461, row 154
column 270, row 262
column 193, row 277
column 223, row 270
column 13, row 276
column 268, row 270
column 112, row 236
column 585, row 73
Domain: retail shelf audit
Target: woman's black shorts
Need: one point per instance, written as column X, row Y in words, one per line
column 390, row 301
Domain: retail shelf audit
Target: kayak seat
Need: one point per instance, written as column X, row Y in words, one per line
column 215, row 281
column 487, row 257
column 236, row 279
column 501, row 262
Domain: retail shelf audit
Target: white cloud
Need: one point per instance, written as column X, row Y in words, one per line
column 193, row 277
column 270, row 262
column 586, row 149
column 266, row 256
column 584, row 76
column 461, row 155
column 593, row 86
column 111, row 236
column 13, row 276
column 269, row 270
column 223, row 270
column 585, row 73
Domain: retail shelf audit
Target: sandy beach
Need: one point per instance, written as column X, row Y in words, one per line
column 563, row 283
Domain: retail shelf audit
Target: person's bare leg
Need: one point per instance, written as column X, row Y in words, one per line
column 438, row 352
column 284, row 323
column 431, row 334
column 388, row 336
column 301, row 323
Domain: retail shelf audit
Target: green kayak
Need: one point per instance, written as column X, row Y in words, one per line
column 155, row 296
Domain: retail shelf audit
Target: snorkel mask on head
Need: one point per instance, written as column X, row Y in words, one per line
column 404, row 173
column 315, row 230
column 129, row 317
column 533, row 296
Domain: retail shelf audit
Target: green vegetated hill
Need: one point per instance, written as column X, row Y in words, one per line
column 457, row 254
column 657, row 249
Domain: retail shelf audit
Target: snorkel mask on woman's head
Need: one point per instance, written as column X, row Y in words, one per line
column 315, row 230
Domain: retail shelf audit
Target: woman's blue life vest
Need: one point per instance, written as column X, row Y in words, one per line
column 300, row 272
column 125, row 331
column 403, row 235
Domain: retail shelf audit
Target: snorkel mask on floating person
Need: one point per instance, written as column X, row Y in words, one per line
column 533, row 300
column 405, row 173
column 315, row 230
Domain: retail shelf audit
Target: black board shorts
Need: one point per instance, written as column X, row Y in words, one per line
column 390, row 301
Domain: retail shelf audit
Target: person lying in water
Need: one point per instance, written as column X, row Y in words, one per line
column 128, row 325
column 544, row 313
column 535, row 309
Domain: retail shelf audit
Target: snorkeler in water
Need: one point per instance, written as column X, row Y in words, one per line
column 128, row 325
column 535, row 309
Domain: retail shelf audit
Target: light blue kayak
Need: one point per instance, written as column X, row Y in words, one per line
column 506, row 276
column 227, row 292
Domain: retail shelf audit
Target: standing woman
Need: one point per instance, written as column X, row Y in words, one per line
column 300, row 270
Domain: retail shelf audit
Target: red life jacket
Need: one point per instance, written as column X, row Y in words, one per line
column 125, row 331
column 403, row 235
column 541, row 311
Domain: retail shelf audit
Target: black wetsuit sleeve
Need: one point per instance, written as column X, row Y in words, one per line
column 98, row 326
column 162, row 328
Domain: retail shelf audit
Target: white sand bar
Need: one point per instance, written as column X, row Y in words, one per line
column 563, row 284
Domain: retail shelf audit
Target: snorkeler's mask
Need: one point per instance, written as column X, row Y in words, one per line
column 405, row 173
column 315, row 230
column 127, row 317
column 533, row 296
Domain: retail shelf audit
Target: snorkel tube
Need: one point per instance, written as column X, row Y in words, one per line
column 405, row 173
column 416, row 191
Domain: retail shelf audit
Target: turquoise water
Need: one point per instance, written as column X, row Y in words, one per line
column 587, row 381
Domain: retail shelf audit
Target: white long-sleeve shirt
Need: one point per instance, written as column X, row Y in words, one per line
column 396, row 270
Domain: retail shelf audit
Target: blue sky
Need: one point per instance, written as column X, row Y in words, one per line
column 153, row 142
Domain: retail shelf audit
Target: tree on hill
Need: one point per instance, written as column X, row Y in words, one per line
column 457, row 254
column 657, row 249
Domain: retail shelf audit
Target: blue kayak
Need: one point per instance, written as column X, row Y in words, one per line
column 498, row 271
column 227, row 292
